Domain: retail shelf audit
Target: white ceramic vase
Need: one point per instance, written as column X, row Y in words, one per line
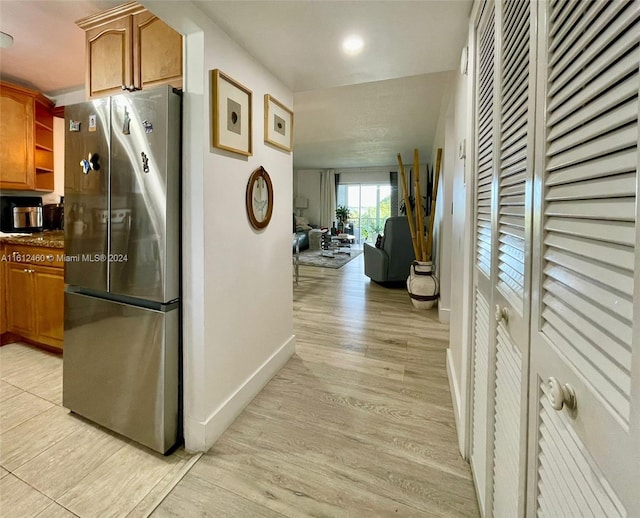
column 423, row 285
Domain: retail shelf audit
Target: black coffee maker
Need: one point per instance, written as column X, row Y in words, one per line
column 53, row 216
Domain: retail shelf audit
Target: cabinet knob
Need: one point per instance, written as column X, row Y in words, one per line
column 502, row 314
column 561, row 395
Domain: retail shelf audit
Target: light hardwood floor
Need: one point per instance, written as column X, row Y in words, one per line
column 358, row 423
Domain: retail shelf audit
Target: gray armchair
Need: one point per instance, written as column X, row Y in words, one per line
column 390, row 262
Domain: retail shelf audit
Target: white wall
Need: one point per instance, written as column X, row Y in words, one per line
column 442, row 228
column 457, row 354
column 307, row 184
column 237, row 282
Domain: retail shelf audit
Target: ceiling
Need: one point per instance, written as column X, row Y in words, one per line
column 349, row 111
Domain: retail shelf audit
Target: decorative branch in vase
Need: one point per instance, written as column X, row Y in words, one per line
column 422, row 283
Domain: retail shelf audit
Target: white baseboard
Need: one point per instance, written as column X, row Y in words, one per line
column 456, row 400
column 444, row 314
column 200, row 436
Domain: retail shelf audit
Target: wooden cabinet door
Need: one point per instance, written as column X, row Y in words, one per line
column 16, row 140
column 20, row 299
column 157, row 52
column 108, row 52
column 49, row 305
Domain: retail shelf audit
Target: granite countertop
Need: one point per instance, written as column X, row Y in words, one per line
column 48, row 238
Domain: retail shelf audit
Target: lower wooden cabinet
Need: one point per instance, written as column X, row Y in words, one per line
column 35, row 295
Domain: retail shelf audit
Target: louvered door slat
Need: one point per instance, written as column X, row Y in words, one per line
column 506, row 466
column 610, row 164
column 579, row 75
column 606, row 123
column 619, row 234
column 598, row 292
column 514, row 97
column 573, row 505
column 514, row 134
column 602, row 105
column 591, row 42
column 553, row 506
column 607, row 254
column 485, row 132
column 611, row 186
column 563, row 339
column 512, row 257
column 513, row 199
column 612, row 209
column 513, row 150
column 586, row 307
column 514, row 174
column 569, row 456
column 510, row 277
column 558, row 442
column 515, row 190
column 514, row 73
column 515, row 16
column 601, row 116
column 560, row 27
column 583, row 19
column 617, row 279
column 511, row 237
column 480, row 381
column 512, row 117
column 619, row 140
column 562, row 9
column 608, row 84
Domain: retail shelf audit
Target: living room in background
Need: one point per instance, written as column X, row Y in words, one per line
column 369, row 207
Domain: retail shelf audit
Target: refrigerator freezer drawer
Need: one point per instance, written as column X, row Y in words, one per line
column 121, row 368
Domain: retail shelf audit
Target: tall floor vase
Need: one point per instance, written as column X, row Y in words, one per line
column 423, row 285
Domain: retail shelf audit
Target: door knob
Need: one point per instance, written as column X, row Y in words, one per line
column 502, row 314
column 561, row 395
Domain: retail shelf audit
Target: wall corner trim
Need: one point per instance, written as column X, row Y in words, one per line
column 200, row 436
column 455, row 399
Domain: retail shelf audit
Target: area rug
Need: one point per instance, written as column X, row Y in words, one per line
column 315, row 258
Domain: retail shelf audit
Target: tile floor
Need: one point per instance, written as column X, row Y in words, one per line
column 56, row 464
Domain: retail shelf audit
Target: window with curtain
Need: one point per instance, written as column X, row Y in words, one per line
column 369, row 207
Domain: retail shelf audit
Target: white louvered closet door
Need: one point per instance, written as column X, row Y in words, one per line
column 513, row 265
column 585, row 327
column 484, row 327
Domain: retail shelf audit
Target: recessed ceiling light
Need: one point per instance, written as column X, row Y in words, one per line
column 6, row 40
column 352, row 45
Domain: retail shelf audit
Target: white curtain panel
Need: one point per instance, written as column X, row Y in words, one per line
column 327, row 198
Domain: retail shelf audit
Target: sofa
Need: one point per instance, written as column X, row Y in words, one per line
column 301, row 229
column 391, row 261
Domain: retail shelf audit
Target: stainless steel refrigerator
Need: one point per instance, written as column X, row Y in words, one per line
column 122, row 270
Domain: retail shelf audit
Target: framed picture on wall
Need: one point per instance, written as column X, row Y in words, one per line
column 278, row 124
column 231, row 107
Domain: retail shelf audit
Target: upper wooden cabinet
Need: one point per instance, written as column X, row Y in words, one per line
column 26, row 139
column 129, row 47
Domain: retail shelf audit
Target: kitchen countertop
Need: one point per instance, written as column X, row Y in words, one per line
column 48, row 238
